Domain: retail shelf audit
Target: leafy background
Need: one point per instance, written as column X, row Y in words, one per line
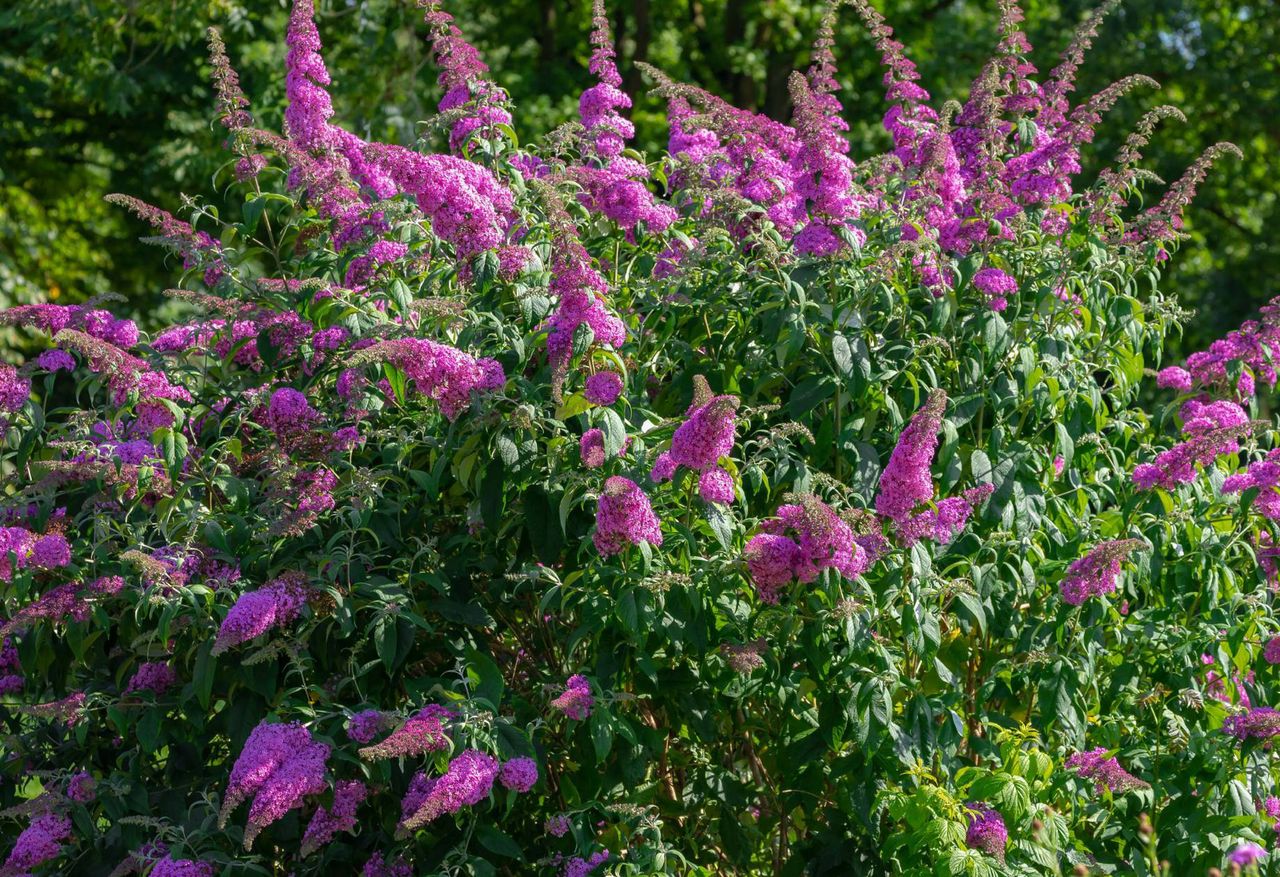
column 113, row 95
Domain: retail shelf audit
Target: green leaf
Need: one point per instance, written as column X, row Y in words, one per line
column 508, row 452
column 720, row 523
column 601, row 734
column 497, row 841
column 493, row 495
column 485, row 268
column 842, row 355
column 149, row 729
column 615, row 432
column 808, row 394
column 485, row 676
column 572, row 406
column 385, row 640
column 202, row 676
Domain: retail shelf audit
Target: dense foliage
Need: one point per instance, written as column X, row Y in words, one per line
column 110, row 96
column 745, row 510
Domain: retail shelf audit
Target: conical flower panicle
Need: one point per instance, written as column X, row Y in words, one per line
column 907, row 481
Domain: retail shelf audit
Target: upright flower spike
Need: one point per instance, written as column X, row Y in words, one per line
column 579, row 290
column 310, row 108
column 307, row 116
column 907, row 481
column 1062, row 79
column 909, row 120
column 822, row 169
column 479, row 104
column 699, row 443
column 598, row 106
column 232, row 105
column 613, row 185
column 233, row 108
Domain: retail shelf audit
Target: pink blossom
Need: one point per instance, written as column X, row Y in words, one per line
column 603, row 388
column 256, row 612
column 41, row 841
column 576, row 700
column 624, row 517
column 591, row 448
column 519, row 774
column 1098, row 571
column 906, row 481
column 422, row 733
column 1105, row 772
column 329, row 821
column 467, row 782
column 804, row 539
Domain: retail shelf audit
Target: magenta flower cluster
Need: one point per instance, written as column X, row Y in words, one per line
column 624, row 517
column 278, row 767
column 340, row 816
column 255, row 612
column 576, row 700
column 426, row 731
column 1098, row 571
column 40, row 842
column 1105, row 771
column 986, row 831
column 1257, row 723
column 354, row 418
column 806, row 538
column 700, row 442
column 907, row 481
column 466, row 783
column 519, row 774
column 1211, row 430
column 603, row 388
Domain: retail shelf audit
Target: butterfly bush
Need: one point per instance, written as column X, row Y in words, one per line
column 769, row 505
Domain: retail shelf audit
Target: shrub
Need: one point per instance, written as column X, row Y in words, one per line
column 491, row 511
